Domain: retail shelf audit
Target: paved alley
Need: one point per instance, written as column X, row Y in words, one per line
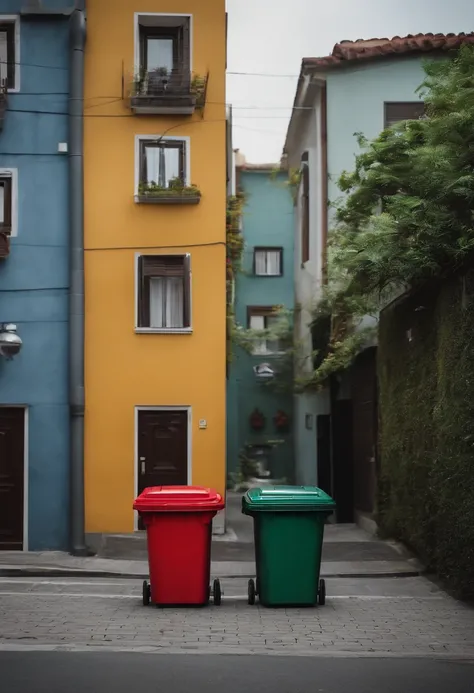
column 363, row 617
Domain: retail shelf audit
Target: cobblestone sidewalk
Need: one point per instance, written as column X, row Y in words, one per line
column 112, row 617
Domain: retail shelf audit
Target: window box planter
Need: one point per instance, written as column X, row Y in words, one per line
column 177, row 193
column 150, row 198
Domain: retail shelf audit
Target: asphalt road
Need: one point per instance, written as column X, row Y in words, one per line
column 56, row 672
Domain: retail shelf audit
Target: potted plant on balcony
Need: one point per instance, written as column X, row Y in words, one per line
column 257, row 420
column 177, row 192
column 198, row 89
column 158, row 80
column 281, row 420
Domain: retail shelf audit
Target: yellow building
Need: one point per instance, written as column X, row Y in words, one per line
column 155, row 197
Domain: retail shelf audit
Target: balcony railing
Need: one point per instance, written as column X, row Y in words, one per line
column 163, row 92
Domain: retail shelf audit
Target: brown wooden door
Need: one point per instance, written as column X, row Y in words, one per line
column 162, row 448
column 12, row 448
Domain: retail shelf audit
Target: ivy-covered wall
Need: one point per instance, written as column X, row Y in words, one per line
column 426, row 381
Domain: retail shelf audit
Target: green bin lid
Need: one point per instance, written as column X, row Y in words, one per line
column 283, row 498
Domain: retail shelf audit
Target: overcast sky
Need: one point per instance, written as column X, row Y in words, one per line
column 272, row 36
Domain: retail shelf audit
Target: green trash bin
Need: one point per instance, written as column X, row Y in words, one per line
column 288, row 528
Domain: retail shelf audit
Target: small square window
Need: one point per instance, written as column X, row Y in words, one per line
column 5, row 204
column 268, row 262
column 397, row 111
column 262, row 318
column 7, row 55
column 164, row 292
column 162, row 162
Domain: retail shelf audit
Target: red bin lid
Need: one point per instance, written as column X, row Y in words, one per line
column 160, row 499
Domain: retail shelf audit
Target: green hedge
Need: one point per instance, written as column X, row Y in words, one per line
column 426, row 379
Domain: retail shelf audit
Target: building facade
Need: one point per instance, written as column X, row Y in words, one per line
column 155, row 201
column 34, row 276
column 265, row 282
column 362, row 87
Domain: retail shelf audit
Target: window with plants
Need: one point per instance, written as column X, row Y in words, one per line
column 163, row 170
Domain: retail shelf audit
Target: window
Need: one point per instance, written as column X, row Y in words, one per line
column 162, row 162
column 5, row 204
column 268, row 262
column 7, row 54
column 164, row 292
column 165, row 50
column 407, row 110
column 305, row 209
column 264, row 318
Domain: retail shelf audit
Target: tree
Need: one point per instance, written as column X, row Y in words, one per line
column 407, row 213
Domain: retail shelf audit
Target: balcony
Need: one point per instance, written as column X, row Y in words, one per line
column 161, row 92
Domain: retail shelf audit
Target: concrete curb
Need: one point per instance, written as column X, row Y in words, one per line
column 58, row 572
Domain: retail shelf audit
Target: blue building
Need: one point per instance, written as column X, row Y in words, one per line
column 34, row 274
column 266, row 281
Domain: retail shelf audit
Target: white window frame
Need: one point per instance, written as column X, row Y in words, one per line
column 163, row 330
column 13, row 174
column 267, row 249
column 14, row 19
column 156, row 138
column 158, row 15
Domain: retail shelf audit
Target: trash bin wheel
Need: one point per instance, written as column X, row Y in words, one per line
column 322, row 592
column 146, row 593
column 217, row 593
column 251, row 592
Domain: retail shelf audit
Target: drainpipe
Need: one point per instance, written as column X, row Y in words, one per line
column 324, row 183
column 77, row 41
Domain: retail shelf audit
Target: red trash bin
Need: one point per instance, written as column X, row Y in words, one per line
column 178, row 520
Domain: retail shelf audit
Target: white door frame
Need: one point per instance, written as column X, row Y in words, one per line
column 138, row 409
column 25, row 466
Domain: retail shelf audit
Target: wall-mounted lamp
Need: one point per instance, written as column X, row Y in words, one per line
column 264, row 371
column 10, row 342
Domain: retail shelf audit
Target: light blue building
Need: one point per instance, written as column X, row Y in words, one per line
column 266, row 281
column 362, row 87
column 34, row 276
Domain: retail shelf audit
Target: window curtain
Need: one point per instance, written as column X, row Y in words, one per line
column 166, row 302
column 3, row 58
column 260, row 263
column 162, row 165
column 273, row 345
column 273, row 262
column 257, row 322
column 267, row 262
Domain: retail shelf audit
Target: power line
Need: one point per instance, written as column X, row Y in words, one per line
column 161, row 247
column 228, row 72
column 131, row 115
column 260, row 74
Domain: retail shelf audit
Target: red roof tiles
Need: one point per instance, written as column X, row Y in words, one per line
column 380, row 47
